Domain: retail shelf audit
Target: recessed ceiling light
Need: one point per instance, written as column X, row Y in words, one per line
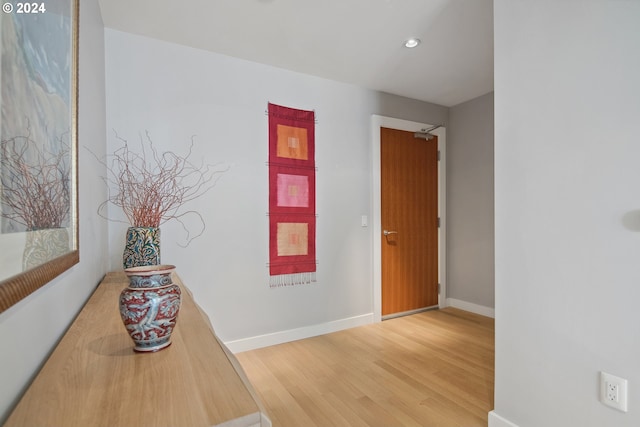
column 412, row 42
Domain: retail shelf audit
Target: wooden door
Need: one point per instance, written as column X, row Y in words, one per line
column 409, row 197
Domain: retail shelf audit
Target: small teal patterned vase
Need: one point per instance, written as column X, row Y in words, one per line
column 149, row 306
column 142, row 247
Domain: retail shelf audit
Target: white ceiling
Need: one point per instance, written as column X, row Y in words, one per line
column 353, row 41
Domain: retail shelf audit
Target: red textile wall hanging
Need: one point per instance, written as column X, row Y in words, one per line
column 292, row 196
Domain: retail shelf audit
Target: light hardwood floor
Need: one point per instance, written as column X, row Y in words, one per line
column 432, row 369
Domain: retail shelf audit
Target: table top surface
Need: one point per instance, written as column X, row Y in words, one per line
column 94, row 378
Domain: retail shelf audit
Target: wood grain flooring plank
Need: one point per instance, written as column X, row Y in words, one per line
column 433, row 369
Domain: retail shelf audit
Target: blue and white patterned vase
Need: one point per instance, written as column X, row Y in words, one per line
column 142, row 247
column 149, row 306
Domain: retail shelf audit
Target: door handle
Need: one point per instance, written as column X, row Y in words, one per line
column 387, row 232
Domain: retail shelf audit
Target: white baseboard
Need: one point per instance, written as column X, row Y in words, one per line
column 496, row 420
column 469, row 306
column 252, row 343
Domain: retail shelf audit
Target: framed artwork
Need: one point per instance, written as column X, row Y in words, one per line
column 38, row 145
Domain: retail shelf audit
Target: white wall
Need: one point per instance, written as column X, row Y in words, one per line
column 470, row 229
column 567, row 152
column 175, row 92
column 30, row 329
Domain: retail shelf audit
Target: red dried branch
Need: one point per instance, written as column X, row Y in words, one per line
column 151, row 188
column 35, row 183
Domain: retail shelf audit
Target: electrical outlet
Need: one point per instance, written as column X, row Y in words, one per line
column 613, row 391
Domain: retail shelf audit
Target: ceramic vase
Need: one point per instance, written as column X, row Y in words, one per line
column 149, row 306
column 142, row 247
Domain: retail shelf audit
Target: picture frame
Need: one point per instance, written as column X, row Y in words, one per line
column 38, row 126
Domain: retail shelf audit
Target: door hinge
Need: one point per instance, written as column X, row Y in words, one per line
column 438, row 222
column 438, row 287
column 438, row 155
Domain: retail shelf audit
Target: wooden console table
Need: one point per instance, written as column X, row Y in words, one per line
column 94, row 378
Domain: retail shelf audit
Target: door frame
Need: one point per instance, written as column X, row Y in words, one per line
column 376, row 211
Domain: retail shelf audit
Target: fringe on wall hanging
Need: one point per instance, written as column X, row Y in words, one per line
column 292, row 196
